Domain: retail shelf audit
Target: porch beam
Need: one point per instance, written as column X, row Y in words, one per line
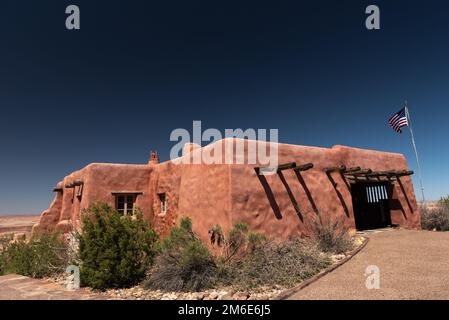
column 303, row 167
column 353, row 169
column 286, row 166
column 333, row 169
column 359, row 172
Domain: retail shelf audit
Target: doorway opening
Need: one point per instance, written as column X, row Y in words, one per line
column 371, row 204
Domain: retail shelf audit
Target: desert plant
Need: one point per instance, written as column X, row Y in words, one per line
column 4, row 242
column 237, row 235
column 274, row 264
column 184, row 263
column 42, row 256
column 247, row 261
column 240, row 241
column 436, row 218
column 332, row 236
column 216, row 235
column 179, row 236
column 255, row 241
column 115, row 250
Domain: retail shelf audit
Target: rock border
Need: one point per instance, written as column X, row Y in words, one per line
column 289, row 292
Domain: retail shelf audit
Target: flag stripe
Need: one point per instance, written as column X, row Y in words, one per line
column 398, row 121
column 394, row 118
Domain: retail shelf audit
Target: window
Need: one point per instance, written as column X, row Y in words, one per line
column 163, row 200
column 125, row 203
column 376, row 194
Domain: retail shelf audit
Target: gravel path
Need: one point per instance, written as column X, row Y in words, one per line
column 413, row 265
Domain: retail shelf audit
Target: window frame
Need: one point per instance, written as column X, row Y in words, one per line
column 163, row 202
column 126, row 211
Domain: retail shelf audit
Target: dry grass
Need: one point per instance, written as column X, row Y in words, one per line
column 275, row 264
column 435, row 217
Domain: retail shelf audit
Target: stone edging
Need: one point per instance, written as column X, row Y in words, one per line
column 289, row 292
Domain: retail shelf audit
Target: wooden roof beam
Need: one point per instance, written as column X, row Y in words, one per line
column 74, row 183
column 333, row 169
column 286, row 166
column 359, row 172
column 380, row 174
column 303, row 167
column 405, row 173
column 392, row 173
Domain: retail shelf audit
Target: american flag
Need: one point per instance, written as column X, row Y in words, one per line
column 398, row 121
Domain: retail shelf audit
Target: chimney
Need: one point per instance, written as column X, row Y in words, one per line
column 154, row 158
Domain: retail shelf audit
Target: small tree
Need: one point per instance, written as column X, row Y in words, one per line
column 115, row 250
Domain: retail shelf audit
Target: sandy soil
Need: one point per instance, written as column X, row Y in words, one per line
column 12, row 224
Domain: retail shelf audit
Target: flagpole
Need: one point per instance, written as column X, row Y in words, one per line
column 416, row 151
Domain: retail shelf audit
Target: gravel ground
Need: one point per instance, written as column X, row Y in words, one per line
column 413, row 265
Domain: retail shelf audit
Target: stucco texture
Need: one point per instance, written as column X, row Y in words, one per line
column 281, row 205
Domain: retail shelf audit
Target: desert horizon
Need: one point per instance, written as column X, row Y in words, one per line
column 17, row 223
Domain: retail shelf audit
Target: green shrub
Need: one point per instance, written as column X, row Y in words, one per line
column 436, row 218
column 255, row 241
column 332, row 236
column 115, row 250
column 184, row 263
column 43, row 255
column 217, row 236
column 237, row 236
column 179, row 236
column 240, row 242
column 4, row 243
column 274, row 264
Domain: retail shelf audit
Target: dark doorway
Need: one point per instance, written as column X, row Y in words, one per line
column 371, row 205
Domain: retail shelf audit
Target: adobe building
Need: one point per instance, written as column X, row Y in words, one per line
column 364, row 188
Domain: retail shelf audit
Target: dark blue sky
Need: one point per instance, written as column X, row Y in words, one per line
column 136, row 70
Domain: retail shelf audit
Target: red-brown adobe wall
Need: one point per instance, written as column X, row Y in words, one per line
column 228, row 193
column 251, row 200
column 100, row 180
column 198, row 191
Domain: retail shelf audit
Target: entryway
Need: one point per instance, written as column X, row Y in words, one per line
column 371, row 204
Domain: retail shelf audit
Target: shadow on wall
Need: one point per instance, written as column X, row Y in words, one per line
column 340, row 196
column 395, row 203
column 405, row 195
column 272, row 200
column 291, row 196
column 306, row 189
column 270, row 195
